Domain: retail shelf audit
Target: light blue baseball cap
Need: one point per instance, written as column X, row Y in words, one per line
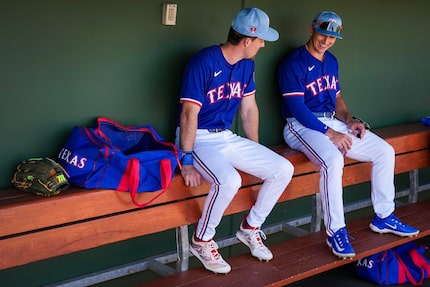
column 253, row 22
column 328, row 23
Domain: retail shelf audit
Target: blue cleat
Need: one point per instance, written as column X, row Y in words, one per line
column 392, row 224
column 339, row 244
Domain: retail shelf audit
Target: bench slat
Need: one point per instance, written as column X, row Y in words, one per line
column 406, row 138
column 88, row 234
column 91, row 204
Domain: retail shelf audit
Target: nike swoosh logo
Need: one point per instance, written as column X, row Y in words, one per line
column 392, row 226
column 338, row 247
column 217, row 73
column 311, row 68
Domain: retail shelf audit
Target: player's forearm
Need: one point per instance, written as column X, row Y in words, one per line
column 188, row 128
column 251, row 130
column 342, row 112
column 250, row 123
column 187, row 137
column 250, row 117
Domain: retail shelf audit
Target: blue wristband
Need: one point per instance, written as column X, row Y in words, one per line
column 187, row 159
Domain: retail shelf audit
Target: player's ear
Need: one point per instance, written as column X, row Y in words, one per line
column 247, row 41
column 311, row 30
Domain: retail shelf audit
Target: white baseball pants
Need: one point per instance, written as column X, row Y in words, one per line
column 323, row 153
column 218, row 156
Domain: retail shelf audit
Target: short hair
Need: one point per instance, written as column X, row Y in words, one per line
column 235, row 37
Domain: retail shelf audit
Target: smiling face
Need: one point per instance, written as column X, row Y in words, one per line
column 318, row 43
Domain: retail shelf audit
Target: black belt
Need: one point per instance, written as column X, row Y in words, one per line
column 215, row 130
column 324, row 115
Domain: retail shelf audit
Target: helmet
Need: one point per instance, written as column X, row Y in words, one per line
column 328, row 23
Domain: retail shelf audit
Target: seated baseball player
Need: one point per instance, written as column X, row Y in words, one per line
column 217, row 82
column 319, row 124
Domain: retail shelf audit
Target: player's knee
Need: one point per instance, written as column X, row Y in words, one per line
column 232, row 182
column 388, row 151
column 285, row 169
column 281, row 173
column 335, row 161
column 386, row 154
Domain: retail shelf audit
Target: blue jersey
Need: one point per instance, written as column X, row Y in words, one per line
column 307, row 86
column 216, row 86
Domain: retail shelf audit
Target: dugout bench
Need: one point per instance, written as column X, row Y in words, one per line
column 81, row 219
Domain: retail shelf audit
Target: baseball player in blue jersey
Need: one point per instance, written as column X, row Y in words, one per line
column 217, row 82
column 320, row 125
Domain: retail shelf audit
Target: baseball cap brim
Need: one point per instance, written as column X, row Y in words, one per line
column 328, row 33
column 271, row 35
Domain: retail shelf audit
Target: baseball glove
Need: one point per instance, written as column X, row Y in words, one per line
column 41, row 176
column 366, row 124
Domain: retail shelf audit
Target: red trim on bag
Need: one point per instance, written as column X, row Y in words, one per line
column 124, row 183
column 97, row 142
column 403, row 270
column 133, row 128
column 166, row 173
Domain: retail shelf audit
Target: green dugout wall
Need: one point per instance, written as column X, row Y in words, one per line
column 63, row 63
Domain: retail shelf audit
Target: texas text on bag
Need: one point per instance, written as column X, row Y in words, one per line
column 124, row 158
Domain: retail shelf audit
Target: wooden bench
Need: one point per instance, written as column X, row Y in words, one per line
column 79, row 219
column 301, row 257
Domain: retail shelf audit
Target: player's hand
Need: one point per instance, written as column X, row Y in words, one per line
column 357, row 128
column 191, row 176
column 341, row 140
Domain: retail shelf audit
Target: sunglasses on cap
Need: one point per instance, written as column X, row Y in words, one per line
column 331, row 26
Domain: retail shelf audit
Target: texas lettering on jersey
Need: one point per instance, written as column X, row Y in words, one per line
column 324, row 83
column 227, row 91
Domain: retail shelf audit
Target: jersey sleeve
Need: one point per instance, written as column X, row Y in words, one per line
column 250, row 87
column 302, row 113
column 194, row 79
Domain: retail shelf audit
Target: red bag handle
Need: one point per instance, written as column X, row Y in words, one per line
column 133, row 169
column 404, row 268
column 418, row 259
